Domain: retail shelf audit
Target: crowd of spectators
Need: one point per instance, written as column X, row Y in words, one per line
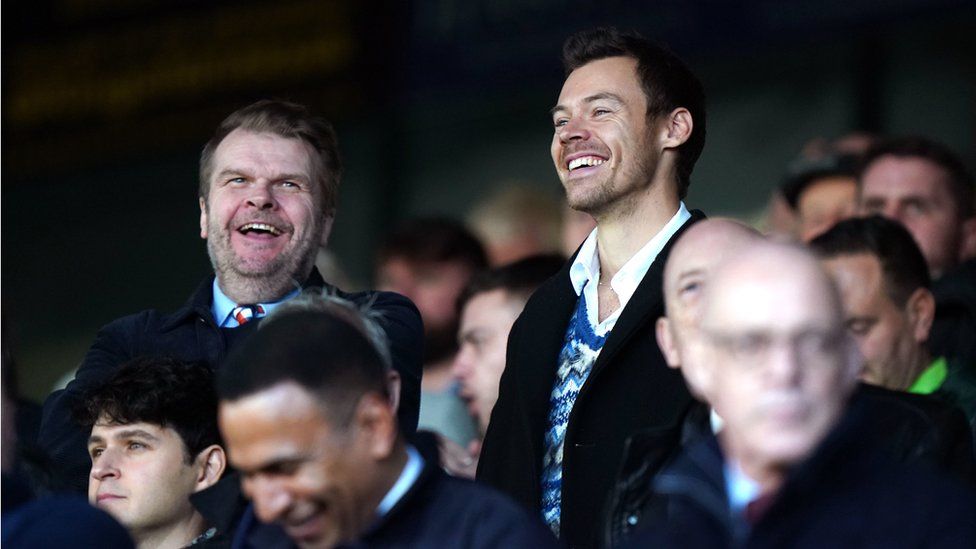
column 627, row 372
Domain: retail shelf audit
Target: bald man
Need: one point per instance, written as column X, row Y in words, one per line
column 918, row 429
column 791, row 465
column 701, row 248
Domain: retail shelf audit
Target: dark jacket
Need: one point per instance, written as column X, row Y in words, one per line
column 222, row 506
column 906, row 428
column 444, row 511
column 437, row 511
column 629, row 388
column 955, row 316
column 846, row 495
column 191, row 334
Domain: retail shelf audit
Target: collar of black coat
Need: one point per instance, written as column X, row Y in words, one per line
column 198, row 306
column 222, row 504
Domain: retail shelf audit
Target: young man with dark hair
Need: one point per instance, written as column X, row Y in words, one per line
column 888, row 307
column 582, row 372
column 488, row 307
column 926, row 187
column 153, row 443
column 306, row 411
column 430, row 260
column 267, row 197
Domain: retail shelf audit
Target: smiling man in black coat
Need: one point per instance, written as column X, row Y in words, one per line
column 269, row 181
column 583, row 371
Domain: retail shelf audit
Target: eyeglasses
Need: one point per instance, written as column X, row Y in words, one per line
column 813, row 346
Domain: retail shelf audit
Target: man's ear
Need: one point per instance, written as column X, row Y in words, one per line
column 665, row 340
column 326, row 229
column 920, row 312
column 967, row 244
column 393, row 385
column 679, row 128
column 376, row 424
column 203, row 218
column 210, row 463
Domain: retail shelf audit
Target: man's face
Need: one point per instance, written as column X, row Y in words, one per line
column 298, row 469
column 486, row 320
column 779, row 362
column 601, row 146
column 140, row 475
column 825, row 202
column 884, row 334
column 916, row 193
column 434, row 289
column 703, row 247
column 263, row 220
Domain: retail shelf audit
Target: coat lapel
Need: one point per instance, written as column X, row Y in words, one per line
column 645, row 305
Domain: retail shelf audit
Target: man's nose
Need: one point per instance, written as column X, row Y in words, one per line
column 105, row 465
column 784, row 363
column 575, row 129
column 462, row 363
column 271, row 500
column 261, row 197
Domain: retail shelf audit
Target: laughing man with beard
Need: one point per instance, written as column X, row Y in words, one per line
column 269, row 181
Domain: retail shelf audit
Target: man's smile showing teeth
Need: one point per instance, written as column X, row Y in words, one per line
column 584, row 161
column 261, row 228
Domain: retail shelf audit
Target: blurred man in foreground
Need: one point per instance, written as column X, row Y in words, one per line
column 790, row 466
column 310, row 422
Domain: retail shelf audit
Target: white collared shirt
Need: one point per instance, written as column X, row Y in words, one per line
column 586, row 267
column 741, row 489
column 409, row 475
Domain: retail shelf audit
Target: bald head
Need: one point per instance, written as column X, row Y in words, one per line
column 700, row 249
column 779, row 364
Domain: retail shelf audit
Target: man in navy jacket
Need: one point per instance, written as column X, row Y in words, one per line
column 269, row 180
column 309, row 422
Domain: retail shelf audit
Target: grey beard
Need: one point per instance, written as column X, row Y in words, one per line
column 275, row 282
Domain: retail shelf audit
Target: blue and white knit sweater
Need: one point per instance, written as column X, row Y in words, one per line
column 580, row 350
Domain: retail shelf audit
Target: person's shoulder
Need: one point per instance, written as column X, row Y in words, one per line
column 494, row 515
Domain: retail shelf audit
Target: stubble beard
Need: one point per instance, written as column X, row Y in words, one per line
column 268, row 281
column 609, row 195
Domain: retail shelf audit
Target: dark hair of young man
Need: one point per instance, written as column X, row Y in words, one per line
column 667, row 83
column 902, row 263
column 812, row 171
column 320, row 351
column 162, row 391
column 291, row 121
column 961, row 184
column 434, row 240
column 519, row 278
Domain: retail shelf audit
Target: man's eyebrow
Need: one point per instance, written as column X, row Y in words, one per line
column 279, row 177
column 603, row 95
column 590, row 99
column 692, row 273
column 135, row 433
column 95, row 439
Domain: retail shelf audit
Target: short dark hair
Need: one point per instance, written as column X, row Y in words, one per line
column 320, row 350
column 805, row 174
column 291, row 121
column 519, row 278
column 961, row 184
column 159, row 390
column 902, row 264
column 433, row 240
column 667, row 83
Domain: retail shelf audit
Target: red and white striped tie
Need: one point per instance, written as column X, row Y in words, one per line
column 245, row 313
